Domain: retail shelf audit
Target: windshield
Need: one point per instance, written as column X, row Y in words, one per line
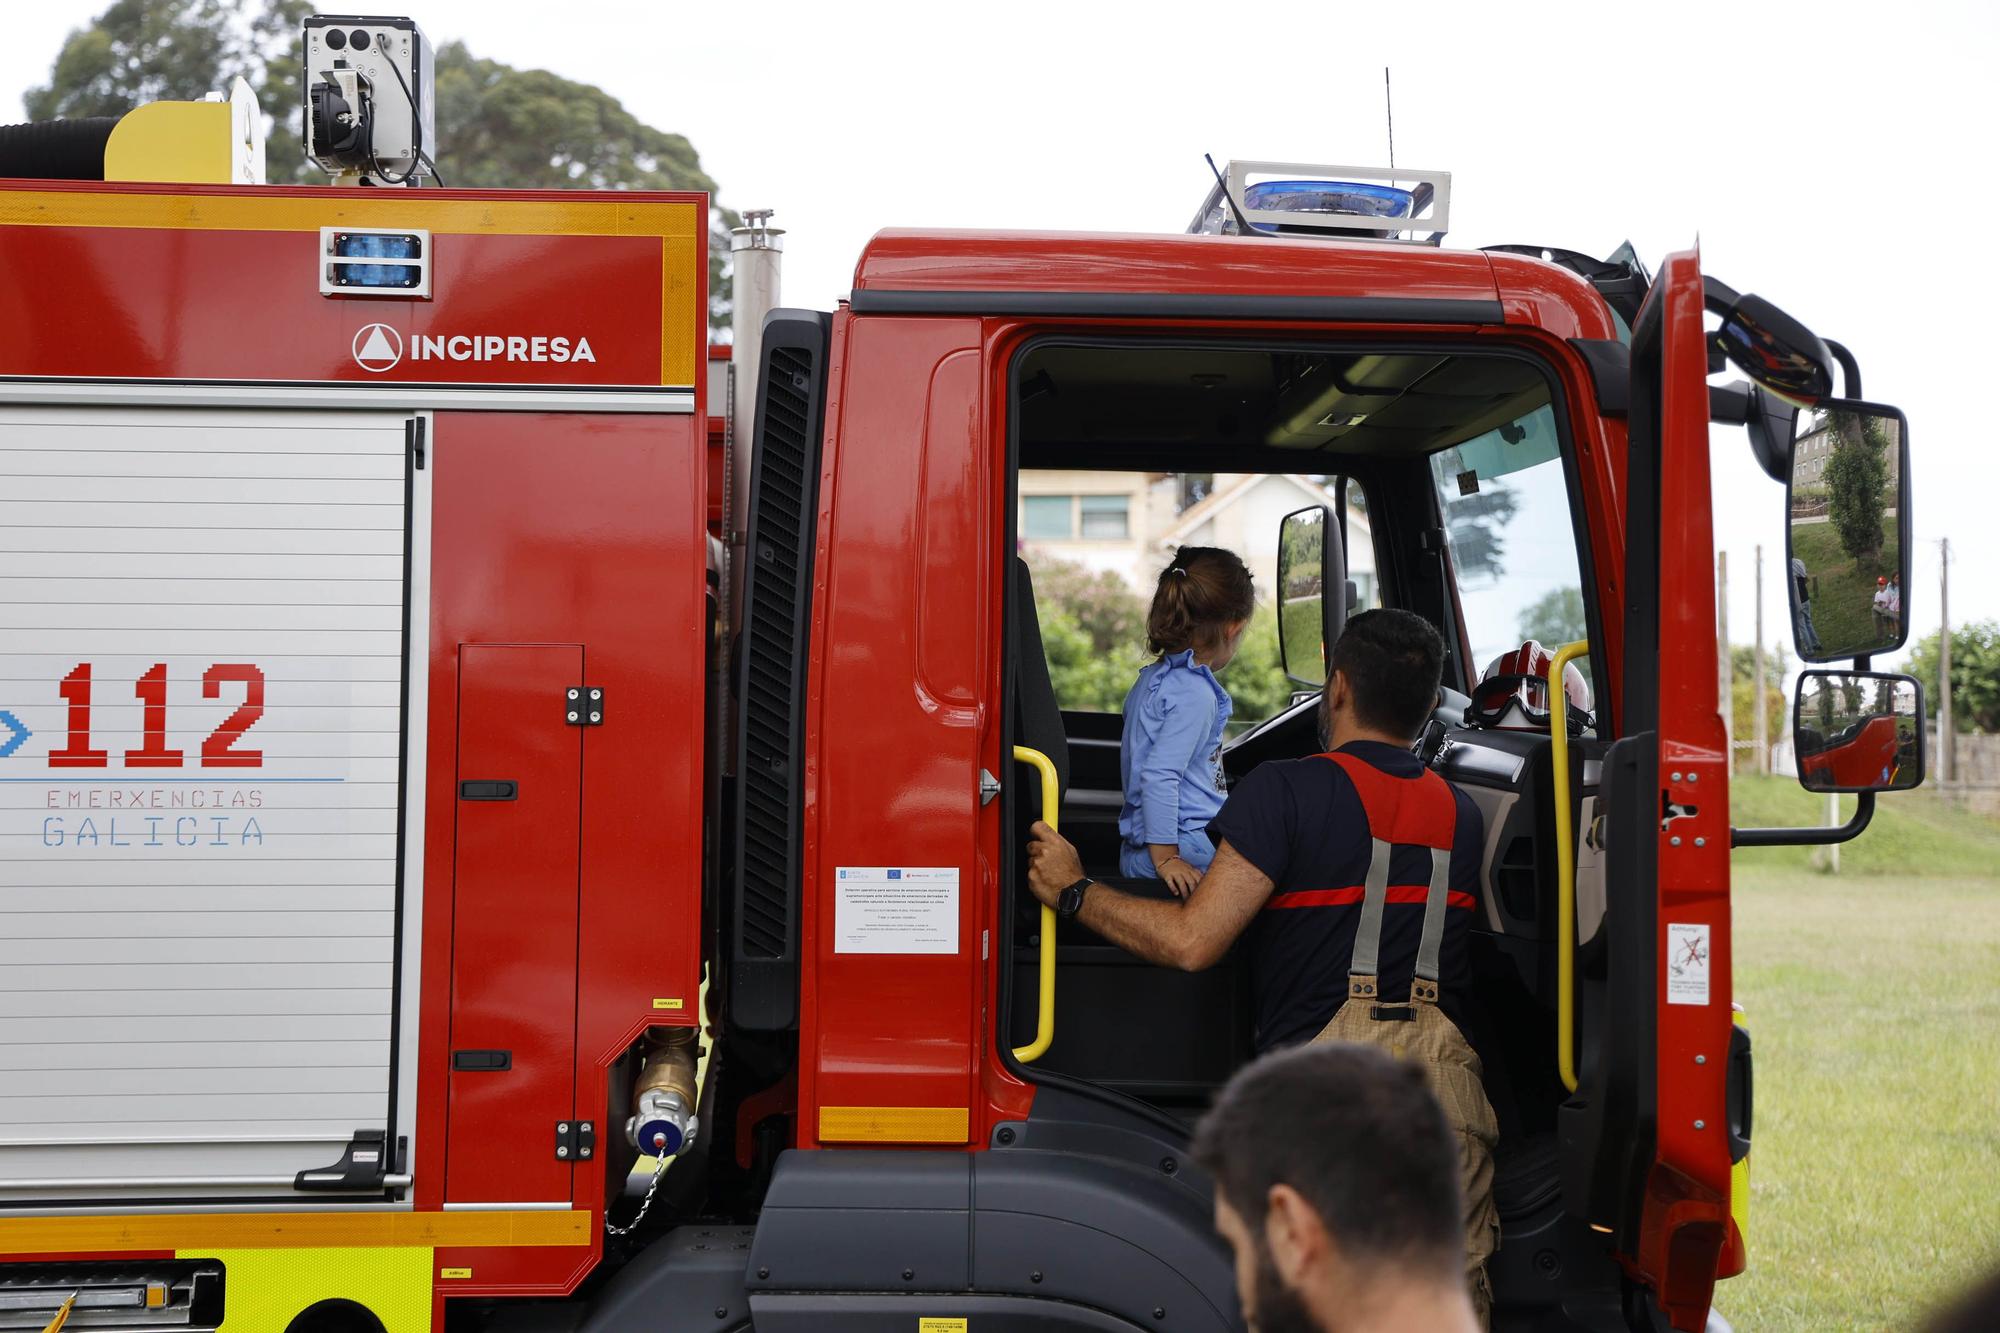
column 1511, row 539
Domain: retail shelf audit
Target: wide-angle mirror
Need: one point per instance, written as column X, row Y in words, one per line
column 1858, row 731
column 1776, row 351
column 1312, row 591
column 1848, row 530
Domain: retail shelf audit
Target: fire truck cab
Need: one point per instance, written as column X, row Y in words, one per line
column 405, row 777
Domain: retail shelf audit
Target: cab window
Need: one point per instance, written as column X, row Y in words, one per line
column 1095, row 543
column 1511, row 538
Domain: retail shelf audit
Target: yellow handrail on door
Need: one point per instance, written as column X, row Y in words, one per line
column 1045, row 1022
column 1565, row 865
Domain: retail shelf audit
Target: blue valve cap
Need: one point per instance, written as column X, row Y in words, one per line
column 660, row 1138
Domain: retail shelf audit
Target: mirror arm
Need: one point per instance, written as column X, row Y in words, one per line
column 1864, row 810
column 1849, row 367
column 1729, row 404
column 1717, row 296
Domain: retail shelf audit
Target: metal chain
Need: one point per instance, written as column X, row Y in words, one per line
column 659, row 1170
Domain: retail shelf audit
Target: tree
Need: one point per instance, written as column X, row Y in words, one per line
column 1255, row 678
column 1476, row 526
column 1101, row 604
column 496, row 126
column 1555, row 618
column 1085, row 678
column 1856, row 473
column 140, row 51
column 499, row 127
column 1094, row 637
column 1743, row 692
column 1975, row 675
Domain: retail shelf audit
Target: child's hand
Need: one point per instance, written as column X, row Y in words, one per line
column 1180, row 876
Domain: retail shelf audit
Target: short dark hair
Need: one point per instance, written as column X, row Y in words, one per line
column 1359, row 1136
column 1202, row 589
column 1392, row 660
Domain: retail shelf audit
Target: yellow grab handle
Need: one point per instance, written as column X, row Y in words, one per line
column 1565, row 865
column 1045, row 1023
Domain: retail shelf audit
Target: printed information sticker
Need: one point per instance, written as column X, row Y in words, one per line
column 895, row 909
column 1687, row 964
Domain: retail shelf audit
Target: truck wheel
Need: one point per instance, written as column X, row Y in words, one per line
column 335, row 1316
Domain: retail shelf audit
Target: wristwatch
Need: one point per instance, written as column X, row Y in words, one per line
column 1070, row 901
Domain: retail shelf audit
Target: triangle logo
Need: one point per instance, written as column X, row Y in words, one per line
column 377, row 348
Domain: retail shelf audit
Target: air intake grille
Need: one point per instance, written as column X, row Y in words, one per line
column 771, row 672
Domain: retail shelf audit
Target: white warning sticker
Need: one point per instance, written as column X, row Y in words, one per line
column 1687, row 964
column 895, row 909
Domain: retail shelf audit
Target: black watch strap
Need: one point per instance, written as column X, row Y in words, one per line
column 1070, row 901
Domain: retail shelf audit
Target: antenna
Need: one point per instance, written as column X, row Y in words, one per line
column 1230, row 199
column 1389, row 104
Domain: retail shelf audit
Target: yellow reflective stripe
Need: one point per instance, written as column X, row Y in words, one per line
column 1739, row 1178
column 586, row 215
column 199, row 1231
column 895, row 1124
column 680, row 261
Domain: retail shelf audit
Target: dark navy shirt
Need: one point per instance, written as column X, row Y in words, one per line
column 1301, row 822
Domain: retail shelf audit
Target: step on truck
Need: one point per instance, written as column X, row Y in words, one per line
column 506, row 823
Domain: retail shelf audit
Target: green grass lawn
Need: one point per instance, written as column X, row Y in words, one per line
column 1843, row 601
column 1873, row 998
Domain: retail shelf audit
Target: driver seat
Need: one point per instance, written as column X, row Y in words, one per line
column 1038, row 722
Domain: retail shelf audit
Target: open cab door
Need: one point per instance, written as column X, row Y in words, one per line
column 1647, row 1139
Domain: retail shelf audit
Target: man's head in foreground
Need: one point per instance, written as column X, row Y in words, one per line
column 1337, row 1186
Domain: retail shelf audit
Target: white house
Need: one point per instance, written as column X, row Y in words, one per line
column 1130, row 523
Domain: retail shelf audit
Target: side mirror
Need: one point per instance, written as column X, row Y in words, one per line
column 1858, row 731
column 1847, row 546
column 1312, row 591
column 1776, row 351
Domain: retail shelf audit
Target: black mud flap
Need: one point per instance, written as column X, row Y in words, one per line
column 688, row 1281
column 1034, row 1235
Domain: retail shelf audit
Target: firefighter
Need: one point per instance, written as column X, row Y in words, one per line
column 1336, row 1184
column 1353, row 875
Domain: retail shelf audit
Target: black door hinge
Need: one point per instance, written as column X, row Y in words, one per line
column 575, row 1139
column 584, row 706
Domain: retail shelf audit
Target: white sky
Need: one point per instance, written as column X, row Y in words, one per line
column 1832, row 157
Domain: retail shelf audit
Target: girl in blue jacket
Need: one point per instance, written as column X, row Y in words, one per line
column 1171, row 758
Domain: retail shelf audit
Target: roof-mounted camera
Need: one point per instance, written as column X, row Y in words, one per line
column 368, row 93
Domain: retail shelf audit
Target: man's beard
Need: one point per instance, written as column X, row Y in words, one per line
column 1279, row 1308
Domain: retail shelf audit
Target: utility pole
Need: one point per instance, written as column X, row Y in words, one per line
column 1762, row 726
column 1728, row 666
column 1947, row 742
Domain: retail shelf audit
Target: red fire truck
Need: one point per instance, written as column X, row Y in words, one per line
column 405, row 774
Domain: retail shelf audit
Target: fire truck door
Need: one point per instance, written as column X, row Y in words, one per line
column 1647, row 1148
column 514, row 924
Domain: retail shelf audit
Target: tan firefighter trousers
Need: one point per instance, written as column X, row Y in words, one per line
column 1420, row 1033
column 1433, row 1042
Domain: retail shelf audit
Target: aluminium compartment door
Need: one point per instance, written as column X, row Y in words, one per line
column 203, row 647
column 1646, row 1144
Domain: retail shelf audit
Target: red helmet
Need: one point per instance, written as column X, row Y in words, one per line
column 1514, row 693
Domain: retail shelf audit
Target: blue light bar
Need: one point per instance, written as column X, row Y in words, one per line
column 377, row 245
column 1337, row 198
